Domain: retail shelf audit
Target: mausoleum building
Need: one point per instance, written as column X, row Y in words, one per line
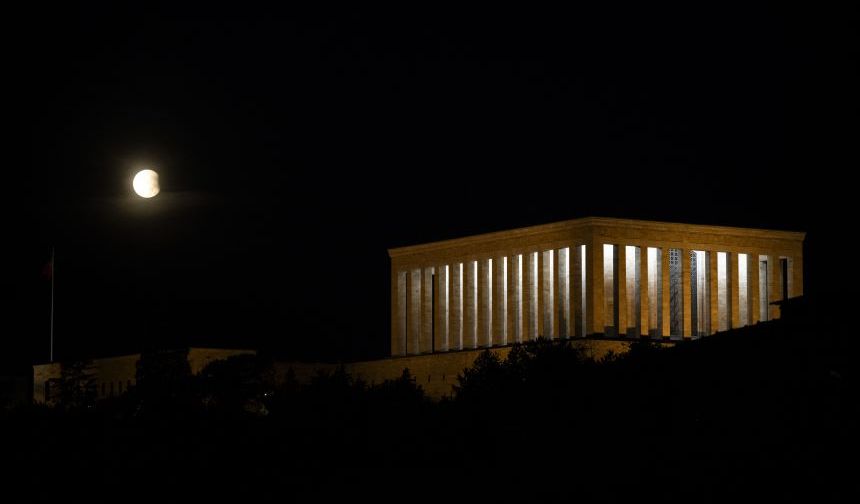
column 589, row 278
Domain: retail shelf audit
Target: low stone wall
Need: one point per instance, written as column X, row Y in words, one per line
column 199, row 358
column 436, row 373
column 115, row 375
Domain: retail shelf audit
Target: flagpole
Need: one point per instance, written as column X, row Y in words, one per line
column 52, row 304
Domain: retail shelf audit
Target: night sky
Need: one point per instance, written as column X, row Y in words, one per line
column 295, row 148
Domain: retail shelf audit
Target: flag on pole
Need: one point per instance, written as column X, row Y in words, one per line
column 48, row 274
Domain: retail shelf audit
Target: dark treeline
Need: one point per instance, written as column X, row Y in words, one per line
column 768, row 411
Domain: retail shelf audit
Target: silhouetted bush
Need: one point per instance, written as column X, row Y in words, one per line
column 241, row 383
column 718, row 413
column 535, row 369
column 164, row 382
column 403, row 390
column 77, row 385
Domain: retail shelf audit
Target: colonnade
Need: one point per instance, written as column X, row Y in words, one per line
column 599, row 286
column 641, row 291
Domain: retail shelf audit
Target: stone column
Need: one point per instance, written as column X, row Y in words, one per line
column 540, row 294
column 790, row 278
column 620, row 281
column 778, row 284
column 594, row 280
column 455, row 308
column 485, row 299
column 500, row 302
column 577, row 288
column 530, row 302
column 754, row 280
column 514, row 298
column 440, row 338
column 613, row 317
column 713, row 292
column 665, row 300
column 686, row 292
column 413, row 337
column 470, row 303
column 527, row 295
column 644, row 293
column 734, row 288
column 426, row 344
column 774, row 292
column 797, row 276
column 555, row 305
column 398, row 313
column 566, row 324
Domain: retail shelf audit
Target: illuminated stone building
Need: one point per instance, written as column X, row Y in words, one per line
column 589, row 278
column 599, row 282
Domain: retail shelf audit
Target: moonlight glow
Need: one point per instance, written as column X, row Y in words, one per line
column 146, row 183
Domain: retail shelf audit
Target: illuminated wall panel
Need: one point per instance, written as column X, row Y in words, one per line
column 427, row 308
column 398, row 347
column 470, row 326
column 633, row 305
column 610, row 289
column 744, row 297
column 763, row 290
column 724, row 303
column 563, row 294
column 548, row 285
column 440, row 326
column 676, row 294
column 485, row 310
column 517, row 293
column 532, row 290
column 414, row 326
column 455, row 331
column 655, row 292
column 579, row 291
column 500, row 301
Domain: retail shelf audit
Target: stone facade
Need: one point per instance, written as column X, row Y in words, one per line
column 436, row 373
column 115, row 375
column 600, row 282
column 591, row 277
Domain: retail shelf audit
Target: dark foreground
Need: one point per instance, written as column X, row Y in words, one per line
column 768, row 412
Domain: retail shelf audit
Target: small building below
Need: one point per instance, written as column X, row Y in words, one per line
column 114, row 376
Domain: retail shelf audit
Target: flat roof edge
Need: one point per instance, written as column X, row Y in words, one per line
column 592, row 221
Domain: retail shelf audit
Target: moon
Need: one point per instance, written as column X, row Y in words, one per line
column 145, row 183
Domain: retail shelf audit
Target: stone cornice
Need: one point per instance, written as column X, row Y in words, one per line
column 592, row 223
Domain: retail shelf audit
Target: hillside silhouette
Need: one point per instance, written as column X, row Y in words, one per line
column 768, row 411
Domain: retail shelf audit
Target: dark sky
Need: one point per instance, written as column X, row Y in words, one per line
column 295, row 147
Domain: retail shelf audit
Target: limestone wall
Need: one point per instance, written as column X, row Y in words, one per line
column 592, row 288
column 115, row 375
column 199, row 358
column 435, row 373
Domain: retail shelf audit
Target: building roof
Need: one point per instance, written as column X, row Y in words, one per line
column 587, row 222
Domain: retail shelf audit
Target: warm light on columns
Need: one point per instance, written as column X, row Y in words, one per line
column 723, row 301
column 583, row 303
column 654, row 306
column 533, row 295
column 702, row 307
column 609, row 288
column 743, row 290
column 518, row 300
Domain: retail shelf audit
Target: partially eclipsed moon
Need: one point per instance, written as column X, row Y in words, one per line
column 145, row 183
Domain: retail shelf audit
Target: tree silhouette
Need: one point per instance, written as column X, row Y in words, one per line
column 402, row 390
column 164, row 380
column 77, row 385
column 240, row 382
